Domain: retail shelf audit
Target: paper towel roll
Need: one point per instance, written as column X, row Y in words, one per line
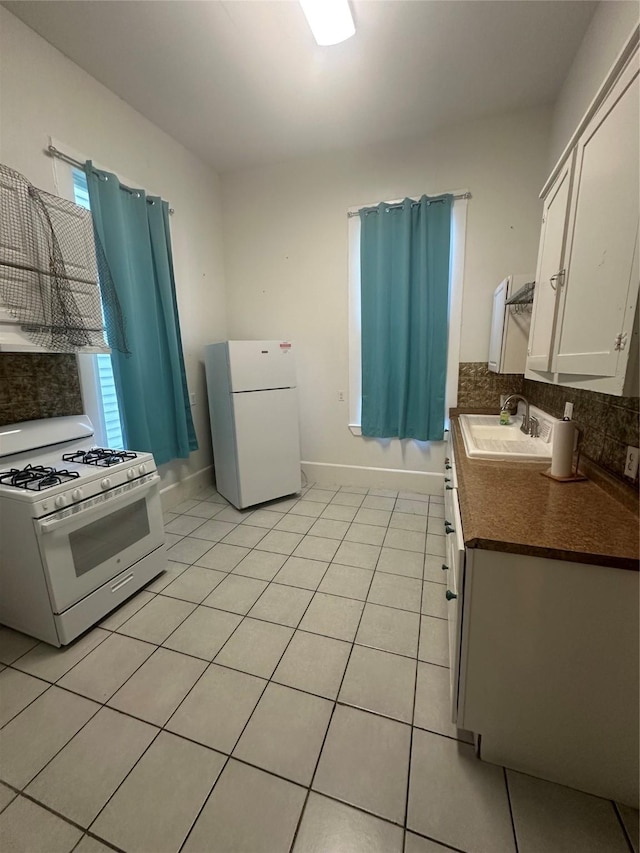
column 562, row 453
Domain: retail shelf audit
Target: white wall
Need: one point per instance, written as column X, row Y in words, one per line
column 610, row 26
column 285, row 241
column 44, row 94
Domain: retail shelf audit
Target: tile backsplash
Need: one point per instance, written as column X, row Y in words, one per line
column 609, row 423
column 478, row 388
column 38, row 385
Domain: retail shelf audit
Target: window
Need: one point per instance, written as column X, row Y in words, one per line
column 96, row 371
column 456, row 278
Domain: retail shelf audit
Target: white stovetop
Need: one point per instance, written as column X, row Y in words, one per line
column 90, row 476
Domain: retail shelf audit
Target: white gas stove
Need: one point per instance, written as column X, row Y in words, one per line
column 81, row 527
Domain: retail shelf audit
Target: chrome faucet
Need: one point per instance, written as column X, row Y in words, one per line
column 530, row 425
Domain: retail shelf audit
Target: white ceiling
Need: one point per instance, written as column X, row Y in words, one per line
column 243, row 83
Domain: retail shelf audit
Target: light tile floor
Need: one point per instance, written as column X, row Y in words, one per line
column 283, row 686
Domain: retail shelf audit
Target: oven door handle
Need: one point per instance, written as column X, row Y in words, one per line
column 52, row 524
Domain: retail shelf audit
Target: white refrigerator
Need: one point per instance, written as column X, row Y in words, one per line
column 253, row 409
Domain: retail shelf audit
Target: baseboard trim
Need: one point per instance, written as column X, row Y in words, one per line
column 384, row 478
column 175, row 493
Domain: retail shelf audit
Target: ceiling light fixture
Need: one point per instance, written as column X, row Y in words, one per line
column 330, row 20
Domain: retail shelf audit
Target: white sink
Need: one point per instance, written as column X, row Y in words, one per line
column 486, row 438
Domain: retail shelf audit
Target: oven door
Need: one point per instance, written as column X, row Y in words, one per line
column 84, row 548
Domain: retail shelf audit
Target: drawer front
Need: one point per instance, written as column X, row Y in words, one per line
column 95, row 606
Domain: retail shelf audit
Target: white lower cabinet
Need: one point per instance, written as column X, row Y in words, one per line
column 454, row 560
column 549, row 665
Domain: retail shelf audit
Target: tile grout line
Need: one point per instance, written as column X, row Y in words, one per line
column 196, row 605
column 44, row 680
column 442, row 844
column 413, row 714
column 69, row 821
column 237, row 741
column 336, row 702
column 357, row 508
column 242, row 672
column 316, row 536
column 341, row 540
column 331, row 716
column 625, row 832
column 101, row 705
column 22, row 790
column 513, row 825
column 290, row 586
column 230, row 754
column 207, row 661
column 162, row 728
column 90, row 835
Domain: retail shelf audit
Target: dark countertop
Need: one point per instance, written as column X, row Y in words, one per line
column 510, row 506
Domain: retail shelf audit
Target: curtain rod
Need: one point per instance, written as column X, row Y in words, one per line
column 52, row 151
column 351, row 213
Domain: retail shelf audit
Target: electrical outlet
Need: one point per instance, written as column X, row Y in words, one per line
column 631, row 465
column 341, row 396
column 192, row 398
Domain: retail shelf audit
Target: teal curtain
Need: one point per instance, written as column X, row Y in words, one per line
column 404, row 268
column 150, row 380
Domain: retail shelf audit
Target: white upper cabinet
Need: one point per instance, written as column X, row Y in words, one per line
column 584, row 328
column 549, row 271
column 598, row 295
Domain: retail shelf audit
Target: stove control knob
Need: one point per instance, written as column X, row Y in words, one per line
column 60, row 501
column 76, row 494
column 131, row 473
column 142, row 469
column 105, row 483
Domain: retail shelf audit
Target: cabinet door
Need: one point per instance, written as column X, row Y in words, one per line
column 455, row 555
column 497, row 326
column 548, row 271
column 599, row 294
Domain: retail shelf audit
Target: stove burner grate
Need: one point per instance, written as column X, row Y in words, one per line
column 36, row 477
column 99, row 456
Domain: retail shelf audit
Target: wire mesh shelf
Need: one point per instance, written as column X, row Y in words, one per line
column 524, row 296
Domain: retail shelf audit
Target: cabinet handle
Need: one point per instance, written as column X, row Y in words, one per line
column 448, row 467
column 444, row 567
column 447, row 479
column 450, row 488
column 449, row 595
column 559, row 276
column 448, row 528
